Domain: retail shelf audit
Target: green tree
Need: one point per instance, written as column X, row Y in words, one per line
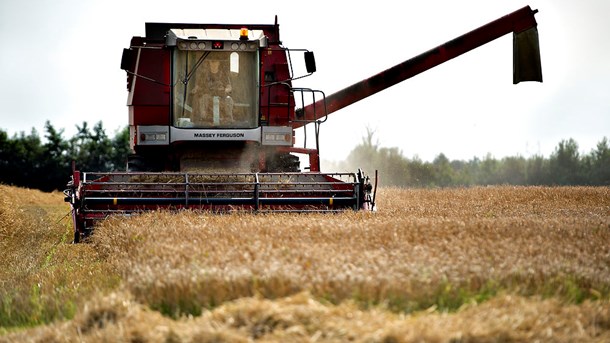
column 564, row 167
column 537, row 170
column 513, row 171
column 25, row 161
column 464, row 172
column 443, row 173
column 488, row 171
column 92, row 150
column 6, row 155
column 565, row 164
column 600, row 163
column 56, row 162
column 120, row 150
column 421, row 173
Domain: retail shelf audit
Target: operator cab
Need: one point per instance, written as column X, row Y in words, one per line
column 214, row 97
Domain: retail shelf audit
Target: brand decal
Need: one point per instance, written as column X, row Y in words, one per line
column 219, row 135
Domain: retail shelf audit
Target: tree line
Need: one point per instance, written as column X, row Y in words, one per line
column 26, row 160
column 565, row 166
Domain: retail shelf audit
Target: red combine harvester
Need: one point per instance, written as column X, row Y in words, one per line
column 213, row 114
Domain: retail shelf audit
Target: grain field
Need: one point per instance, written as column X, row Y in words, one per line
column 487, row 264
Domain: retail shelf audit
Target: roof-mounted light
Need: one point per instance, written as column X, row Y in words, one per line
column 243, row 33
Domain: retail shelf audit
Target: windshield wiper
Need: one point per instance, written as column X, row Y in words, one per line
column 188, row 75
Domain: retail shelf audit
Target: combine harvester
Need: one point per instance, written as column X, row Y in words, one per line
column 213, row 114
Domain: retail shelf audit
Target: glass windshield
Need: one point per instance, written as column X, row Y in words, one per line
column 215, row 89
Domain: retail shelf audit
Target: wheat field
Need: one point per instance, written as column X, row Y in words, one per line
column 486, row 264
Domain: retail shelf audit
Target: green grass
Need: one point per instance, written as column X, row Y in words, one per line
column 44, row 278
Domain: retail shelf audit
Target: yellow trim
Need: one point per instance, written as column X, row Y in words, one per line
column 114, row 201
column 330, row 201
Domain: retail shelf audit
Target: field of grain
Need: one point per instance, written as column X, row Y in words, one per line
column 495, row 264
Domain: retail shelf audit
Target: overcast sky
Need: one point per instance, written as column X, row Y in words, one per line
column 60, row 62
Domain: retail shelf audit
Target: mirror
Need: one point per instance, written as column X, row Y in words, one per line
column 310, row 62
column 127, row 59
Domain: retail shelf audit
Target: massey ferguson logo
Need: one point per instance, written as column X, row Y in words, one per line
column 219, row 135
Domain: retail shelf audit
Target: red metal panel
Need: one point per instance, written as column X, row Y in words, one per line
column 151, row 99
column 151, row 115
column 154, row 63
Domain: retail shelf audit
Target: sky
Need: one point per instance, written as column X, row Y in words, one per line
column 60, row 61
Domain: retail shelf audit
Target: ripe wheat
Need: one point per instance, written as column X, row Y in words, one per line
column 489, row 256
